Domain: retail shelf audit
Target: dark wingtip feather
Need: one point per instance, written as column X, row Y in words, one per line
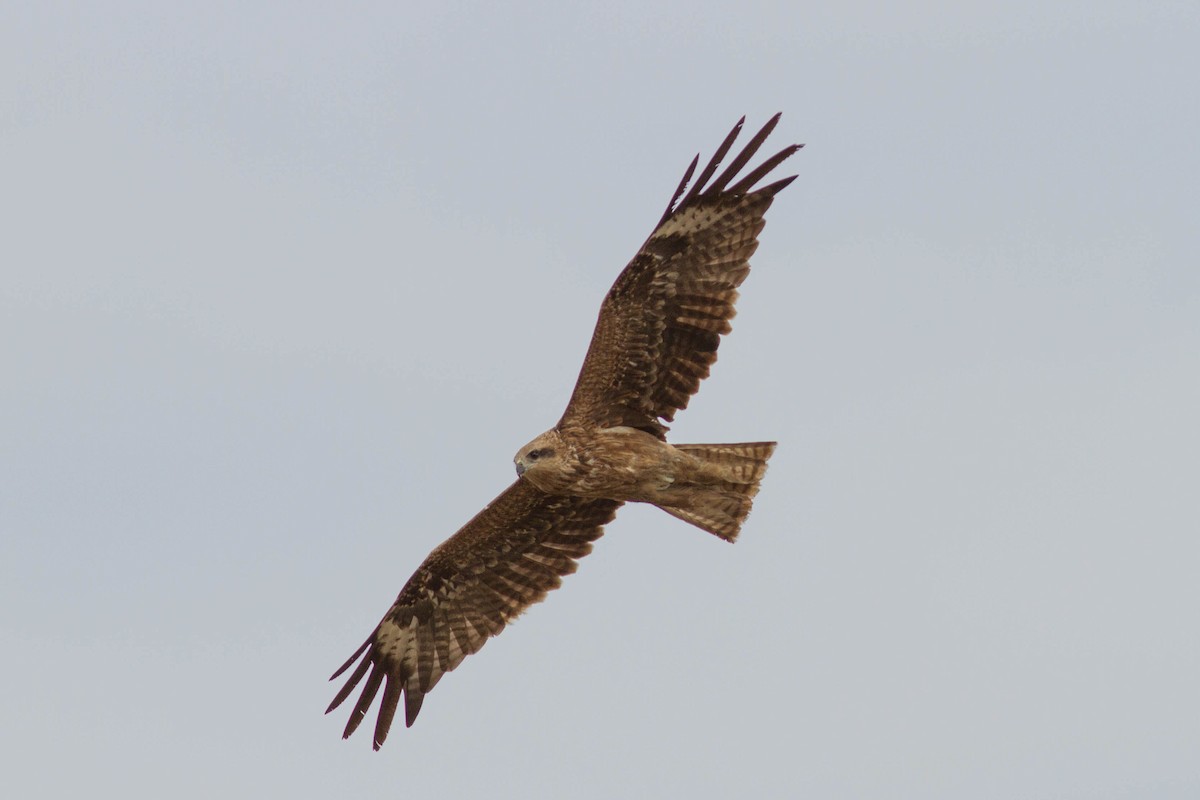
column 362, row 648
column 364, row 701
column 770, row 190
column 700, row 187
column 687, row 175
column 351, row 682
column 387, row 710
column 413, row 699
column 761, row 171
column 743, row 157
column 715, row 162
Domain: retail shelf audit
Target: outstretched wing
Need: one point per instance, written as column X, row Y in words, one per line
column 501, row 562
column 662, row 321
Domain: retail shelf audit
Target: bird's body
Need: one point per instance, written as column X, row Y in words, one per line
column 619, row 463
column 708, row 485
column 655, row 340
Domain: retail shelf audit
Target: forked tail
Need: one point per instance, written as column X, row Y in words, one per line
column 727, row 477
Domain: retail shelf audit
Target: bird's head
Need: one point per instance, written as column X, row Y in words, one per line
column 542, row 460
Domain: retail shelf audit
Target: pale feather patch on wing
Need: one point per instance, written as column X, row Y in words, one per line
column 686, row 221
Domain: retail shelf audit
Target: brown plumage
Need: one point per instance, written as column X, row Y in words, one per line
column 655, row 340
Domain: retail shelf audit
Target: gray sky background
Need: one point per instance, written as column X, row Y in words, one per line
column 283, row 292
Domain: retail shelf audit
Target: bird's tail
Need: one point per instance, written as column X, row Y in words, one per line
column 727, row 479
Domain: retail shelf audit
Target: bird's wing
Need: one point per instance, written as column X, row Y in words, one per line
column 662, row 321
column 473, row 584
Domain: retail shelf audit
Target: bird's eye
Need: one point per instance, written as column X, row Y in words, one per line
column 533, row 455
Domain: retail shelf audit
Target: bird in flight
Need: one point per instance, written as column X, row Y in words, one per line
column 655, row 340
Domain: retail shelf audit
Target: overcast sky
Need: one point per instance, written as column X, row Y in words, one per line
column 282, row 293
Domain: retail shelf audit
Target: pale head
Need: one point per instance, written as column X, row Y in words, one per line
column 543, row 461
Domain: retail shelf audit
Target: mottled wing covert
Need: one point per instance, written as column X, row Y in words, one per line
column 662, row 321
column 472, row 585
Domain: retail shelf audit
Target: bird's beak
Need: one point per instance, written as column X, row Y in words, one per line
column 520, row 468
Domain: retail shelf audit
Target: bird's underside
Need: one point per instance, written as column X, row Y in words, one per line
column 656, row 338
column 708, row 485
